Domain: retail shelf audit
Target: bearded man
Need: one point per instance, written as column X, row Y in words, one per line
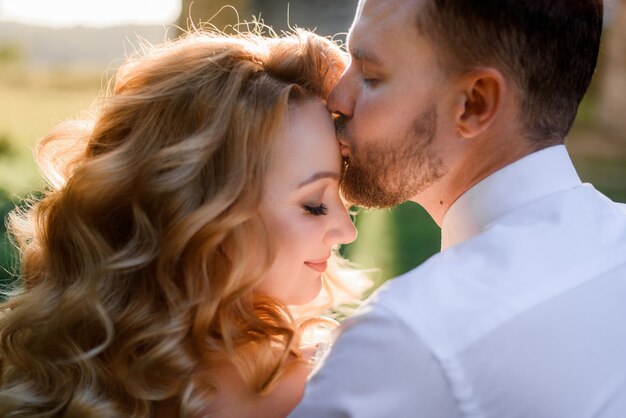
column 463, row 107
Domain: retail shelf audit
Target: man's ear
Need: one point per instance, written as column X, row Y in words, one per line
column 480, row 97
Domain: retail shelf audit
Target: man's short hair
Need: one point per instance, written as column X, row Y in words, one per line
column 548, row 47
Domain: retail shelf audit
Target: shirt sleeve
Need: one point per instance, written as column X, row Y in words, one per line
column 378, row 368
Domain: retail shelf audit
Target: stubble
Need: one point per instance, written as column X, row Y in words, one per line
column 391, row 171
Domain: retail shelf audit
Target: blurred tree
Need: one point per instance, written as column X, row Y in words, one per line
column 6, row 146
column 327, row 17
column 11, row 52
column 613, row 89
column 195, row 12
column 8, row 252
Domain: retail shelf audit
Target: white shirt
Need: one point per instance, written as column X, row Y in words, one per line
column 523, row 313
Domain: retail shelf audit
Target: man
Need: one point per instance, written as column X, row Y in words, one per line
column 463, row 107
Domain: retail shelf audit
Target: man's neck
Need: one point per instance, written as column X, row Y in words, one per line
column 478, row 164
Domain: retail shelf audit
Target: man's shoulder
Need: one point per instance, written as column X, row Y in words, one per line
column 517, row 263
column 432, row 298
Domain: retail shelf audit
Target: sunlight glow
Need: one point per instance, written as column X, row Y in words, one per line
column 98, row 13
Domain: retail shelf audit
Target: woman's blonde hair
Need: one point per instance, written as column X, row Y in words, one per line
column 134, row 276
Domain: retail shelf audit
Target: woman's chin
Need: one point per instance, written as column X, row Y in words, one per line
column 305, row 296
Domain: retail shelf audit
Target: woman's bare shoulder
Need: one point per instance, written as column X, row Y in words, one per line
column 236, row 399
column 288, row 391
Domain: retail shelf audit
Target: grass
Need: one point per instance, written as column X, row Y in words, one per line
column 31, row 103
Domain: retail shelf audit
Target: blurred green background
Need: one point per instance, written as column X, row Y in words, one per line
column 50, row 73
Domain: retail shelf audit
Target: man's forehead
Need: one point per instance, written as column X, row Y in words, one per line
column 378, row 18
column 384, row 9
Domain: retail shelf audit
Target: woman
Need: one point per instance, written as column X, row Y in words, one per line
column 199, row 200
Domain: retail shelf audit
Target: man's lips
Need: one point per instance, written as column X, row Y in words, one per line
column 318, row 265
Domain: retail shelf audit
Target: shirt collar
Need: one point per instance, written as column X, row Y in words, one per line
column 536, row 175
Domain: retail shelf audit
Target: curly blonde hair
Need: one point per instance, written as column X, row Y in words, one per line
column 133, row 276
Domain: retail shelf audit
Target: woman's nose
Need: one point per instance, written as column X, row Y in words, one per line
column 341, row 229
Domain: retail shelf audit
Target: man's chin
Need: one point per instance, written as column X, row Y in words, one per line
column 360, row 191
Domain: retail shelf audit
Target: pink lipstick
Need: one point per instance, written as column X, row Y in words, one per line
column 319, row 266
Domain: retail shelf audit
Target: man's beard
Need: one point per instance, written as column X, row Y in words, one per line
column 391, row 171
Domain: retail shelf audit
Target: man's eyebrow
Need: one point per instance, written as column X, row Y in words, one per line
column 360, row 54
column 318, row 176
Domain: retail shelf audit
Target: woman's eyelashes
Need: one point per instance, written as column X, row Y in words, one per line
column 316, row 210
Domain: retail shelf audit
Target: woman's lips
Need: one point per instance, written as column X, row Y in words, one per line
column 320, row 266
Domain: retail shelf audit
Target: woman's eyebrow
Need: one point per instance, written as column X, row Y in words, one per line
column 318, row 176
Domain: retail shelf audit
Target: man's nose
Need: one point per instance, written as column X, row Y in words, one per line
column 341, row 98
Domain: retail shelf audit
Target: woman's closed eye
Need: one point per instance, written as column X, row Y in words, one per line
column 316, row 210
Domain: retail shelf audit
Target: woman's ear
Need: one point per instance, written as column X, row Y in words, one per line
column 480, row 97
